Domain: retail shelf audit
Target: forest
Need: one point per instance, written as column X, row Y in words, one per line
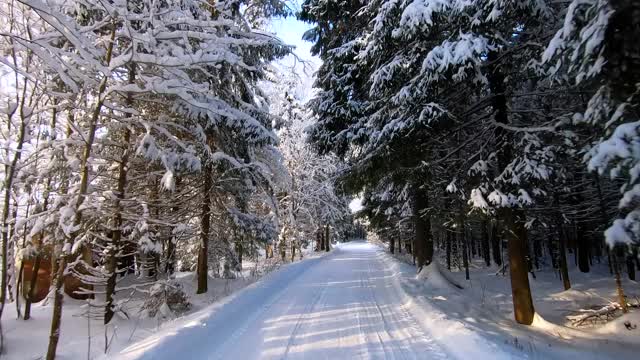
column 155, row 151
column 478, row 126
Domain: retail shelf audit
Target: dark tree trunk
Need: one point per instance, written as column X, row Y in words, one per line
column 521, row 291
column 423, row 239
column 205, row 223
column 552, row 253
column 392, row 245
column 32, row 286
column 496, row 244
column 240, row 252
column 448, row 240
column 465, row 252
column 170, row 265
column 582, row 245
column 319, row 240
column 327, row 242
column 56, row 317
column 537, row 252
column 293, row 252
column 617, row 254
column 114, row 250
column 514, row 219
column 282, row 248
column 486, row 252
column 116, row 235
column 602, row 209
column 562, row 245
column 471, row 240
column 573, row 244
column 631, row 267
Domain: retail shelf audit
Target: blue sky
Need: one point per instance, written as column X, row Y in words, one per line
column 290, row 30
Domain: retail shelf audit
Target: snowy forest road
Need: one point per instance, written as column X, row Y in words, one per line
column 341, row 306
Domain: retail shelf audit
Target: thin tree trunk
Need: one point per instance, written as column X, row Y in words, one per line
column 423, row 239
column 537, row 252
column 496, row 244
column 205, row 223
column 617, row 252
column 293, row 207
column 448, row 241
column 293, row 251
column 10, row 171
column 170, row 265
column 472, row 243
column 562, row 247
column 239, row 252
column 283, row 248
column 45, row 205
column 564, row 271
column 465, row 254
column 611, row 253
column 631, row 267
column 603, row 219
column 486, row 252
column 327, row 242
column 18, row 287
column 32, row 286
column 552, row 253
column 114, row 249
column 268, row 249
column 65, row 257
column 582, row 247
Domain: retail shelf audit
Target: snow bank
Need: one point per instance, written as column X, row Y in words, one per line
column 478, row 320
column 432, row 275
column 455, row 336
column 625, row 328
column 83, row 338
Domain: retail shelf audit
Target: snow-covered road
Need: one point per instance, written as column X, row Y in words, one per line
column 345, row 305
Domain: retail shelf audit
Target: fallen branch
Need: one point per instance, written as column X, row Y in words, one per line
column 604, row 313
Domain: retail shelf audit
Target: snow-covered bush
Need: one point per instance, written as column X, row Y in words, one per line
column 168, row 298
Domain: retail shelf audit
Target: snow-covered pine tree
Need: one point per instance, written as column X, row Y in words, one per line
column 309, row 199
column 121, row 58
column 596, row 50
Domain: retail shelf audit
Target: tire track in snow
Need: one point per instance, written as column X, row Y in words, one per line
column 304, row 316
column 372, row 301
column 250, row 320
column 413, row 336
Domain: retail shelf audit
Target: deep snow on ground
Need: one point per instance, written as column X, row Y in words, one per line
column 484, row 307
column 83, row 338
